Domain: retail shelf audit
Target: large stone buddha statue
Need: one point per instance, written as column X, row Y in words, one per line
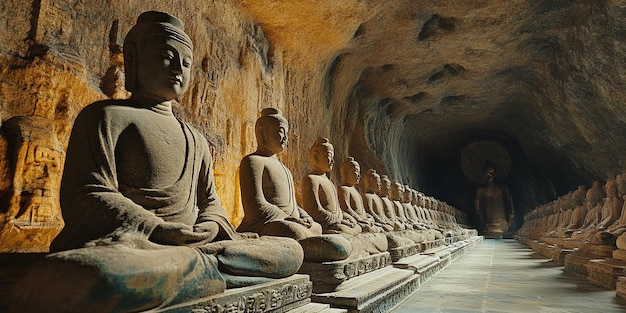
column 144, row 226
column 267, row 189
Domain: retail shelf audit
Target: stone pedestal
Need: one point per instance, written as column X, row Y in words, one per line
column 575, row 262
column 403, row 252
column 621, row 287
column 605, row 272
column 327, row 276
column 282, row 295
column 377, row 291
column 559, row 258
column 424, row 265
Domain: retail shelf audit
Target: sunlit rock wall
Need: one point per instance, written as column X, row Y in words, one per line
column 59, row 56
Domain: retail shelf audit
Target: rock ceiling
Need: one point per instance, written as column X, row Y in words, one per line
column 545, row 79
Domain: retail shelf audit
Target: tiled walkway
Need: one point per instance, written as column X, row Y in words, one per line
column 505, row 276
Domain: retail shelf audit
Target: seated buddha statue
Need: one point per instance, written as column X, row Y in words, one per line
column 389, row 206
column 593, row 199
column 373, row 202
column 269, row 200
column 619, row 227
column 144, row 227
column 350, row 199
column 319, row 196
column 267, row 189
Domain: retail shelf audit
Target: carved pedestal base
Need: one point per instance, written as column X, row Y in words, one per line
column 559, row 258
column 403, row 252
column 317, row 308
column 604, row 273
column 424, row 265
column 575, row 262
column 377, row 291
column 327, row 276
column 568, row 243
column 621, row 287
column 278, row 296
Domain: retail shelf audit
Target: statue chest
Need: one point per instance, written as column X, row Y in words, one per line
column 151, row 153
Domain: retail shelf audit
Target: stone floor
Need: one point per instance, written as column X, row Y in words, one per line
column 505, row 276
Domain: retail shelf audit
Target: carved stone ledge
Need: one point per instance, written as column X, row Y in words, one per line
column 377, row 291
column 327, row 276
column 278, row 296
column 404, row 252
column 604, row 273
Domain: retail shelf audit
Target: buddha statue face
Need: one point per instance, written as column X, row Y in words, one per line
column 272, row 131
column 610, row 188
column 322, row 156
column 350, row 172
column 397, row 190
column 158, row 57
column 408, row 195
column 164, row 69
column 489, row 173
column 372, row 181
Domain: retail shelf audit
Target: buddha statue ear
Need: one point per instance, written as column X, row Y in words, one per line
column 130, row 66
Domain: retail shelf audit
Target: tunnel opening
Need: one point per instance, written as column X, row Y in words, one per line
column 453, row 172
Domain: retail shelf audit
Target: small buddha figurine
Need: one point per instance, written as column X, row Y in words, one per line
column 267, row 189
column 319, row 196
column 350, row 199
column 144, row 227
column 373, row 203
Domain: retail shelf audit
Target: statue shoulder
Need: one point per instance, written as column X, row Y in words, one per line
column 104, row 108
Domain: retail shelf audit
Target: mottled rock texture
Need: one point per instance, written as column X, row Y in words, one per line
column 403, row 86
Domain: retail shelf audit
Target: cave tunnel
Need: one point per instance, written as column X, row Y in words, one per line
column 524, row 90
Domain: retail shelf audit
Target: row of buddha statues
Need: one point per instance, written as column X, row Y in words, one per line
column 145, row 228
column 584, row 231
column 593, row 216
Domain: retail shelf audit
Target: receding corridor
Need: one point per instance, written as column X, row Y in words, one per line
column 505, row 276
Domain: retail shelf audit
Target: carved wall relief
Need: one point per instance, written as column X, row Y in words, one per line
column 30, row 214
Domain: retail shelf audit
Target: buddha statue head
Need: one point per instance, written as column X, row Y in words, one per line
column 397, row 191
column 385, row 187
column 157, row 58
column 578, row 196
column 595, row 194
column 350, row 172
column 321, row 156
column 610, row 187
column 372, row 181
column 414, row 199
column 407, row 195
column 271, row 131
column 489, row 172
